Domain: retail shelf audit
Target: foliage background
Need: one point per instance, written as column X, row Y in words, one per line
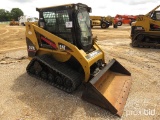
column 15, row 13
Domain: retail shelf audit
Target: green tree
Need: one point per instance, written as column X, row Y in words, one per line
column 15, row 13
column 2, row 14
column 8, row 16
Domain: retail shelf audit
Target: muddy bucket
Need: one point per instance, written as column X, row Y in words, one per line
column 109, row 89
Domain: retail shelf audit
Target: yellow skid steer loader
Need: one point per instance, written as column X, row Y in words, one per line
column 145, row 31
column 64, row 53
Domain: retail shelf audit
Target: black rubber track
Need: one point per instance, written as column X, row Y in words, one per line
column 138, row 43
column 68, row 79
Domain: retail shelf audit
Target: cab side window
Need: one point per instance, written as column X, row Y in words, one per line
column 55, row 22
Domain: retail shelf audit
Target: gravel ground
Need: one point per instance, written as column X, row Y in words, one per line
column 26, row 98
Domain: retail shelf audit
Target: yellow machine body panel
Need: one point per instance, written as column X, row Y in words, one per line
column 146, row 22
column 96, row 22
column 108, row 18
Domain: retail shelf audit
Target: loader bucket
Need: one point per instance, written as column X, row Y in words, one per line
column 109, row 89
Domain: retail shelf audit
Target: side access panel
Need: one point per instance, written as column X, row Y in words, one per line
column 109, row 89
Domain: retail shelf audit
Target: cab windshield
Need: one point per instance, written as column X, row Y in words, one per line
column 84, row 24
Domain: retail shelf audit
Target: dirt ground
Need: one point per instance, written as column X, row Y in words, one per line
column 26, row 98
column 12, row 38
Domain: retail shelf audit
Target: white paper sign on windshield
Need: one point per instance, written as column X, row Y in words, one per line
column 69, row 24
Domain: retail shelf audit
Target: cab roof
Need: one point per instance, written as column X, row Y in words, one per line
column 61, row 6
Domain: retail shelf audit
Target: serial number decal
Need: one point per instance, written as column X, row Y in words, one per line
column 93, row 54
column 62, row 47
column 31, row 48
column 140, row 19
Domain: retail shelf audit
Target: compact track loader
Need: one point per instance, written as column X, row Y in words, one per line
column 145, row 32
column 64, row 53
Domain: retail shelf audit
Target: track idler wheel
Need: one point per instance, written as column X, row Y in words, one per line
column 51, row 78
column 44, row 75
column 134, row 43
column 67, row 83
column 59, row 80
column 140, row 37
column 37, row 68
column 32, row 70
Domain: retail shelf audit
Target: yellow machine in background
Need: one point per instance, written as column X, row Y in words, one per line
column 145, row 32
column 102, row 21
column 64, row 53
column 14, row 23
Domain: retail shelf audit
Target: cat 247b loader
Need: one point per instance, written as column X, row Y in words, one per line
column 145, row 32
column 64, row 53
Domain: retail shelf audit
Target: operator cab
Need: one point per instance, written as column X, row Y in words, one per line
column 155, row 15
column 70, row 22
